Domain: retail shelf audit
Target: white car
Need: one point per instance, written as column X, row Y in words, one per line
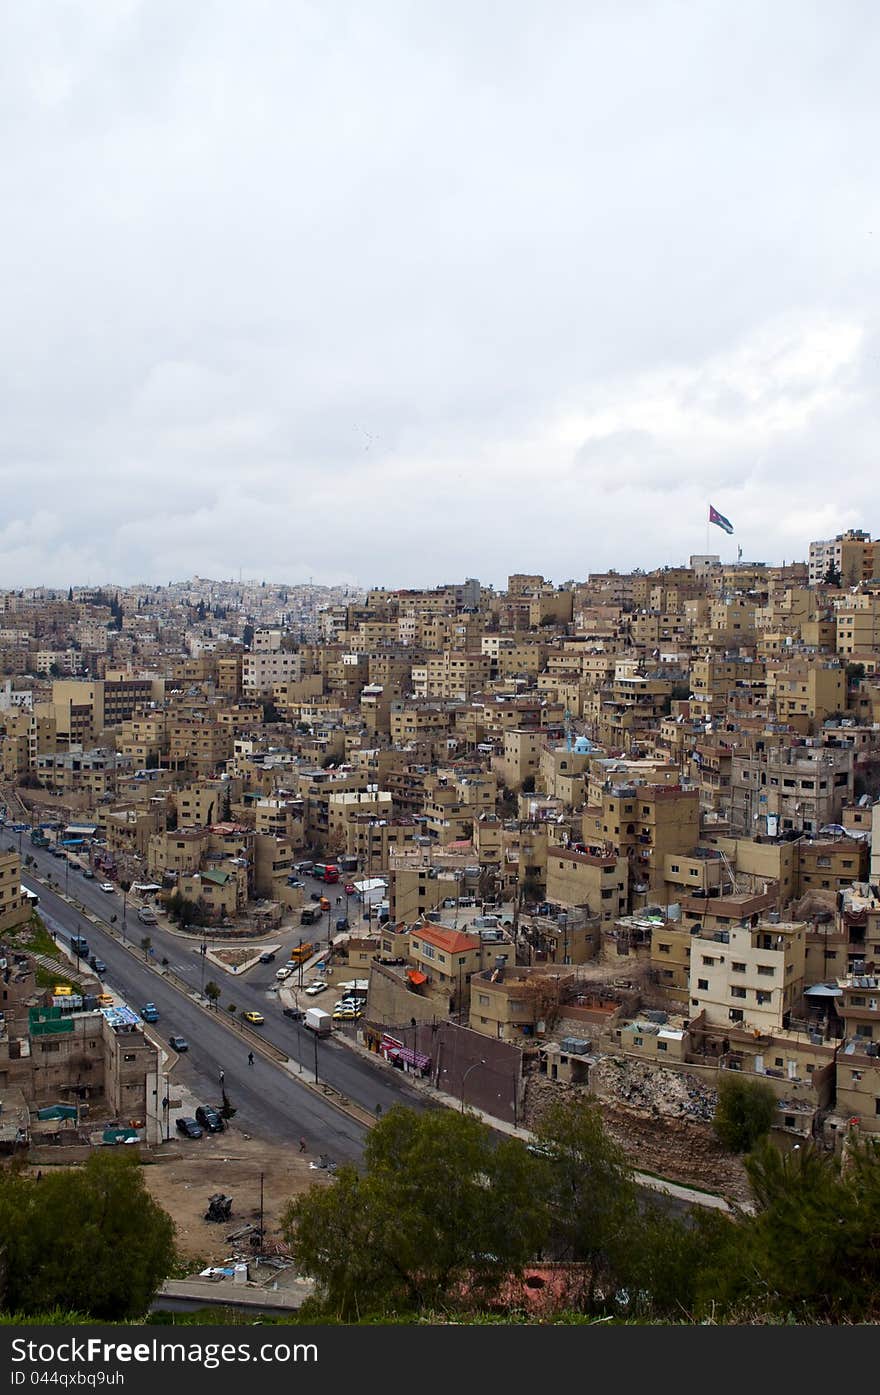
column 283, row 973
column 315, row 988
column 107, row 886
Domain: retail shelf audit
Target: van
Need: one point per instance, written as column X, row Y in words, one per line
column 146, row 916
column 309, row 915
column 80, row 946
column 303, row 866
column 324, row 903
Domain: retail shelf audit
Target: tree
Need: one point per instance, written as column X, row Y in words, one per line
column 832, row 575
column 528, row 784
column 118, row 1243
column 591, row 1195
column 146, row 946
column 810, row 1250
column 745, row 1111
column 212, row 993
column 440, row 1218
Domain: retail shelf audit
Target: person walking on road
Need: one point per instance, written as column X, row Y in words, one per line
column 250, row 1058
column 302, row 1145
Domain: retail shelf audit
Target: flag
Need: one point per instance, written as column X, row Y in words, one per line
column 716, row 517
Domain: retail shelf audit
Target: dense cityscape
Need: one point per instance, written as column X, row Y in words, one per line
column 280, row 859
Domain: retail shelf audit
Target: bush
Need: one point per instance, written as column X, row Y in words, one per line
column 745, row 1112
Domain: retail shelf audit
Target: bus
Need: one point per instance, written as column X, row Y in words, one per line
column 301, row 952
column 326, row 872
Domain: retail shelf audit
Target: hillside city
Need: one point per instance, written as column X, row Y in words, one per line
column 611, row 839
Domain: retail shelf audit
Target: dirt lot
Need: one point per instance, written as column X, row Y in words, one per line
column 230, row 1164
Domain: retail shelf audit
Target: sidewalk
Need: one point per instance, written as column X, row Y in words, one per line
column 693, row 1197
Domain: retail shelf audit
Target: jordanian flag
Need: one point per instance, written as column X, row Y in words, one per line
column 716, row 517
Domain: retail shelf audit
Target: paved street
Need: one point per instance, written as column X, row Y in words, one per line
column 267, row 1112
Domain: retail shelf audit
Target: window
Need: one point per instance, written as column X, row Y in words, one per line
column 767, row 970
column 737, row 992
column 762, row 998
column 735, row 1014
column 708, row 959
column 703, row 983
column 483, row 999
column 738, row 968
column 673, row 866
column 664, row 949
column 662, row 1046
column 789, row 1121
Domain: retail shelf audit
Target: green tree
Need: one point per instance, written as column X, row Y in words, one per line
column 212, row 993
column 146, row 945
column 745, row 1111
column 810, row 1250
column 440, row 1218
column 91, row 1240
column 832, row 575
column 591, row 1195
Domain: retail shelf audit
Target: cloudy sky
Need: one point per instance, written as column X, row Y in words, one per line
column 395, row 293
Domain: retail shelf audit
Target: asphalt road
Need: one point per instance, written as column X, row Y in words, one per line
column 351, row 1074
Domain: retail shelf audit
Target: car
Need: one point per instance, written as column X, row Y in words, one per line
column 315, row 896
column 344, row 1014
column 58, row 852
column 342, row 922
column 284, row 973
column 349, row 889
column 211, row 1119
column 149, row 1012
column 98, row 965
column 107, row 886
column 189, row 1128
column 315, row 988
column 88, row 874
column 267, row 956
column 256, row 1018
column 178, row 1043
column 295, row 1014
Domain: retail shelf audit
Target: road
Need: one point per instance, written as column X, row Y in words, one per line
column 212, row 1043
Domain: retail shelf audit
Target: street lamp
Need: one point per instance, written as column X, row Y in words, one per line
column 203, row 951
column 476, row 1065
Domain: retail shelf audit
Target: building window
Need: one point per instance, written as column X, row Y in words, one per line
column 737, row 992
column 708, row 959
column 767, row 970
column 703, row 983
column 738, row 968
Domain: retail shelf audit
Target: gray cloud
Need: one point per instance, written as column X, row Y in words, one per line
column 398, row 294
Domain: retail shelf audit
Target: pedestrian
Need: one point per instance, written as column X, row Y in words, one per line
column 250, row 1058
column 302, row 1145
column 222, row 1076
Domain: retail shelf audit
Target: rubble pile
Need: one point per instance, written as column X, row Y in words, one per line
column 672, row 1094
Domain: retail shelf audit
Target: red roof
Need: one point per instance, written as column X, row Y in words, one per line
column 452, row 941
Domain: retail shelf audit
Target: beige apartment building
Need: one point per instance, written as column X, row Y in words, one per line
column 789, row 787
column 14, row 908
column 858, row 1061
column 750, row 976
column 588, row 879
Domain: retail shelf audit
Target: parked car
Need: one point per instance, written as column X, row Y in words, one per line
column 342, row 922
column 107, row 886
column 315, row 988
column 149, row 1012
column 98, row 965
column 344, row 1014
column 88, row 874
column 210, row 1118
column 189, row 1128
column 267, row 956
column 284, row 973
column 295, row 1014
column 256, row 1018
column 178, row 1043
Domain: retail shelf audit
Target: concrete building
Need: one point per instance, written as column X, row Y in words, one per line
column 752, row 976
